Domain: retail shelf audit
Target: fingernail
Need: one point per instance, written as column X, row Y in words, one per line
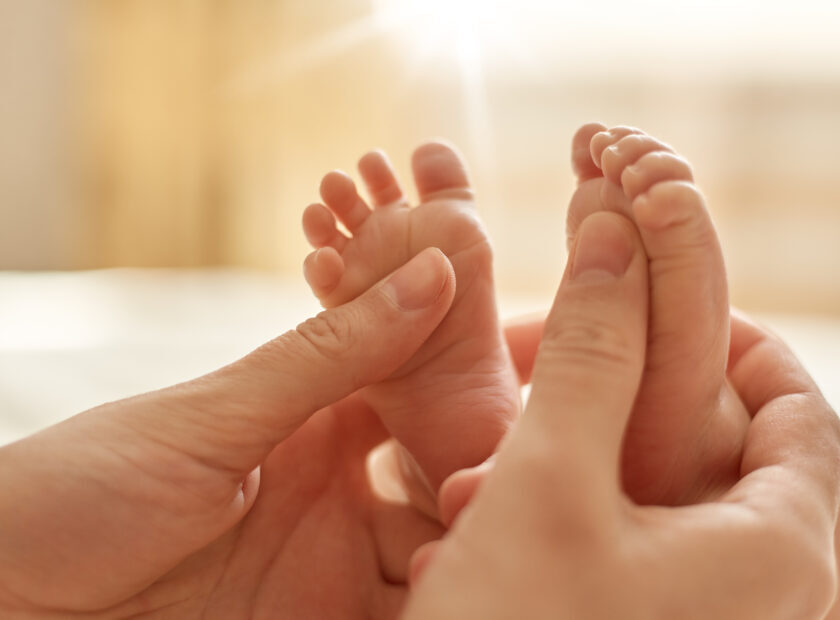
column 419, row 283
column 604, row 248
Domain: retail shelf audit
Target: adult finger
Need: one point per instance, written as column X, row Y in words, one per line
column 794, row 436
column 233, row 417
column 590, row 361
column 761, row 366
column 791, row 462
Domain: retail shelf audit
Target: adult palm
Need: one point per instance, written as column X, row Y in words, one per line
column 317, row 543
column 227, row 496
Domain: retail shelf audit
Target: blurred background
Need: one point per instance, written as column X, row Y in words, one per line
column 187, row 134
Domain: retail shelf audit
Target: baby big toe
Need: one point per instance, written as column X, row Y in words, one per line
column 440, row 172
column 689, row 298
column 678, row 205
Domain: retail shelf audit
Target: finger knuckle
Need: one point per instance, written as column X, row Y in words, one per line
column 586, row 341
column 330, row 334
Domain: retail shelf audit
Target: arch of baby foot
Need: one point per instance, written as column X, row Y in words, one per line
column 384, row 236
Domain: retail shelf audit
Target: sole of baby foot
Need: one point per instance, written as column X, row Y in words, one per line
column 453, row 401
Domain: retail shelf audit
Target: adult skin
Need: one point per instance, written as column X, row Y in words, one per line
column 550, row 534
column 154, row 506
column 241, row 494
column 228, row 496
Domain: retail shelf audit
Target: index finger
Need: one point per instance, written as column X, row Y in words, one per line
column 761, row 366
column 794, row 437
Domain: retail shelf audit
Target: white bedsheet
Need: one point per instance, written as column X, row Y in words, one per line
column 70, row 341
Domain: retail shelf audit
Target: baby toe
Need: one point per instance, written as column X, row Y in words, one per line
column 380, row 179
column 689, row 297
column 605, row 139
column 655, row 167
column 340, row 195
column 440, row 172
column 582, row 164
column 626, row 152
column 319, row 226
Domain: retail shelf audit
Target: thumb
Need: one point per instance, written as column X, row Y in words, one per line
column 553, row 491
column 591, row 358
column 235, row 416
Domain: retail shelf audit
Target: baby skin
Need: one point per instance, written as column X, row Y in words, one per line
column 453, row 401
column 684, row 438
column 451, row 404
column 683, row 441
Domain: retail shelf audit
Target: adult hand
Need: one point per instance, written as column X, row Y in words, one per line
column 549, row 533
column 181, row 503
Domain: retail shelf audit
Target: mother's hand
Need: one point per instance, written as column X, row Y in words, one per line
column 550, row 533
column 181, row 503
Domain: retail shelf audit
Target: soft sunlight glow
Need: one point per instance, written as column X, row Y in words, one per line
column 462, row 31
column 487, row 42
column 545, row 35
column 462, row 38
column 551, row 37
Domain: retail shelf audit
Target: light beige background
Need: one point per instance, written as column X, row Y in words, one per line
column 183, row 133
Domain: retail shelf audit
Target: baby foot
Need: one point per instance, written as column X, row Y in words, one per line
column 674, row 453
column 453, row 401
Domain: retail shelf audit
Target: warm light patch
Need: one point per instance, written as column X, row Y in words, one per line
column 457, row 30
column 383, row 474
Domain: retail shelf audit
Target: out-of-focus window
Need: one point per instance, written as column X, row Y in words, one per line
column 188, row 133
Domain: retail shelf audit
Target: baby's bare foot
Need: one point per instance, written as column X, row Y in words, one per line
column 673, row 453
column 453, row 401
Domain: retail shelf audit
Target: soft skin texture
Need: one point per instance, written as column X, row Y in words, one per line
column 549, row 533
column 684, row 439
column 241, row 494
column 453, row 401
